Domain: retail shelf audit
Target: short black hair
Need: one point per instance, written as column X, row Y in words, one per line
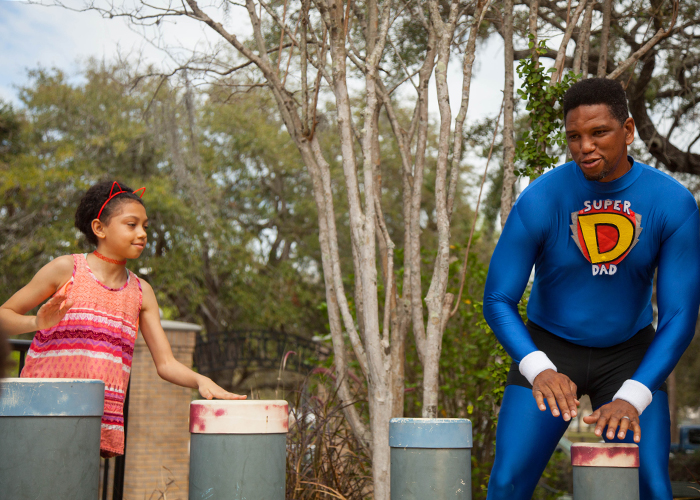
column 598, row 91
column 91, row 203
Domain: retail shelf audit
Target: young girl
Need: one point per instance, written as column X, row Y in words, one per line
column 88, row 327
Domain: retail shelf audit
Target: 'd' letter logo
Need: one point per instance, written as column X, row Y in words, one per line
column 605, row 231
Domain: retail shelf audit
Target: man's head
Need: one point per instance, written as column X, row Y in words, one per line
column 598, row 128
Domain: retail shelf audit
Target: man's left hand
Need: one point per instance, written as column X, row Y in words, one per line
column 619, row 412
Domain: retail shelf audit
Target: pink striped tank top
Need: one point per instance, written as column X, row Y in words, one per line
column 95, row 340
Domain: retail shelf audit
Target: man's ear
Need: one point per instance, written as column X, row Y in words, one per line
column 629, row 130
column 98, row 227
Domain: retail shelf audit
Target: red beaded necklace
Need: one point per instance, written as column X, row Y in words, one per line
column 107, row 259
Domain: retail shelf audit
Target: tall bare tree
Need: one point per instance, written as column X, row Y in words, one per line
column 509, row 177
column 317, row 51
column 604, row 39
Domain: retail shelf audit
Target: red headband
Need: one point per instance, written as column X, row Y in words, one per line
column 112, row 194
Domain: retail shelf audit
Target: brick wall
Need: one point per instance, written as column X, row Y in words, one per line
column 158, row 427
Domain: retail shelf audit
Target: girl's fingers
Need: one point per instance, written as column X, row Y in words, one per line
column 58, row 299
column 222, row 394
column 65, row 305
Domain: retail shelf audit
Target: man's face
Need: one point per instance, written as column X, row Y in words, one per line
column 598, row 143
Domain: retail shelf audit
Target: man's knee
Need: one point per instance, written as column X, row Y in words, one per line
column 512, row 483
column 501, row 486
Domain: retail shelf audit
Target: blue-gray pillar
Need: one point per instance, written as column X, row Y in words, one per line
column 238, row 450
column 50, row 438
column 430, row 458
column 605, row 470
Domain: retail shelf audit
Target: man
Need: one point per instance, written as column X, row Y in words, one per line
column 596, row 229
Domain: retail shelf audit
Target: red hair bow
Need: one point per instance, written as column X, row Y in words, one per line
column 112, row 194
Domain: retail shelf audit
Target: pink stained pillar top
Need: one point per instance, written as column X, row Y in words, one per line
column 239, row 417
column 604, row 455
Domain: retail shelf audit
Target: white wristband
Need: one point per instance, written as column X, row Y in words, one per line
column 533, row 364
column 635, row 393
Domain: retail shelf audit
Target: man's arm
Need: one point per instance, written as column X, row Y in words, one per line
column 509, row 273
column 678, row 299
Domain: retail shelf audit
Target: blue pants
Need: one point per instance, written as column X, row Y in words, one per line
column 526, row 438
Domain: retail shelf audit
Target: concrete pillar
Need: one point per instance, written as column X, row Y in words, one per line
column 430, row 458
column 238, row 449
column 50, row 438
column 605, row 470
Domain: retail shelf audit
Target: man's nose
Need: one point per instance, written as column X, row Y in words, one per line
column 587, row 145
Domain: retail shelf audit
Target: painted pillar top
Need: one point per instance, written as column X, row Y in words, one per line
column 51, row 397
column 450, row 433
column 239, row 417
column 604, row 455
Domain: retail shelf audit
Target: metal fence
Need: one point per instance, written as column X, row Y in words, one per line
column 256, row 350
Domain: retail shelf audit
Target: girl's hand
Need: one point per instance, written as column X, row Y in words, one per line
column 208, row 389
column 53, row 311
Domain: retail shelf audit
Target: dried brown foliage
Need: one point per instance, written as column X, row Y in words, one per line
column 324, row 458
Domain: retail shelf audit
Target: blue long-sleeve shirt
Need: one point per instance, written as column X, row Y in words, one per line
column 595, row 247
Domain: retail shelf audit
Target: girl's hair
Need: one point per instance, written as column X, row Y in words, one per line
column 91, row 203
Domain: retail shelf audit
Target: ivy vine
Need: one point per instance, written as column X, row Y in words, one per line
column 543, row 99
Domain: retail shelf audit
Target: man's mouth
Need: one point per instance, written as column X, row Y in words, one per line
column 591, row 163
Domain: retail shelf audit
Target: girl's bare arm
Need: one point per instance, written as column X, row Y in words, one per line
column 168, row 367
column 43, row 285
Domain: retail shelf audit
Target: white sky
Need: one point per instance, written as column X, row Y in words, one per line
column 34, row 36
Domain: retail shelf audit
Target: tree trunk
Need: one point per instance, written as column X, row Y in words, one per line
column 561, row 53
column 509, row 177
column 532, row 21
column 604, row 38
column 378, row 346
column 586, row 38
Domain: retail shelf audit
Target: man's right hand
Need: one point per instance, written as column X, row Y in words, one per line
column 557, row 389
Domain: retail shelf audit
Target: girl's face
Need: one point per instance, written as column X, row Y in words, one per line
column 125, row 234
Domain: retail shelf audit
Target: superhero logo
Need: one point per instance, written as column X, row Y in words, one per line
column 605, row 231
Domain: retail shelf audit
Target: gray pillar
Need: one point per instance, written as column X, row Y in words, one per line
column 50, row 438
column 605, row 470
column 238, row 449
column 430, row 458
